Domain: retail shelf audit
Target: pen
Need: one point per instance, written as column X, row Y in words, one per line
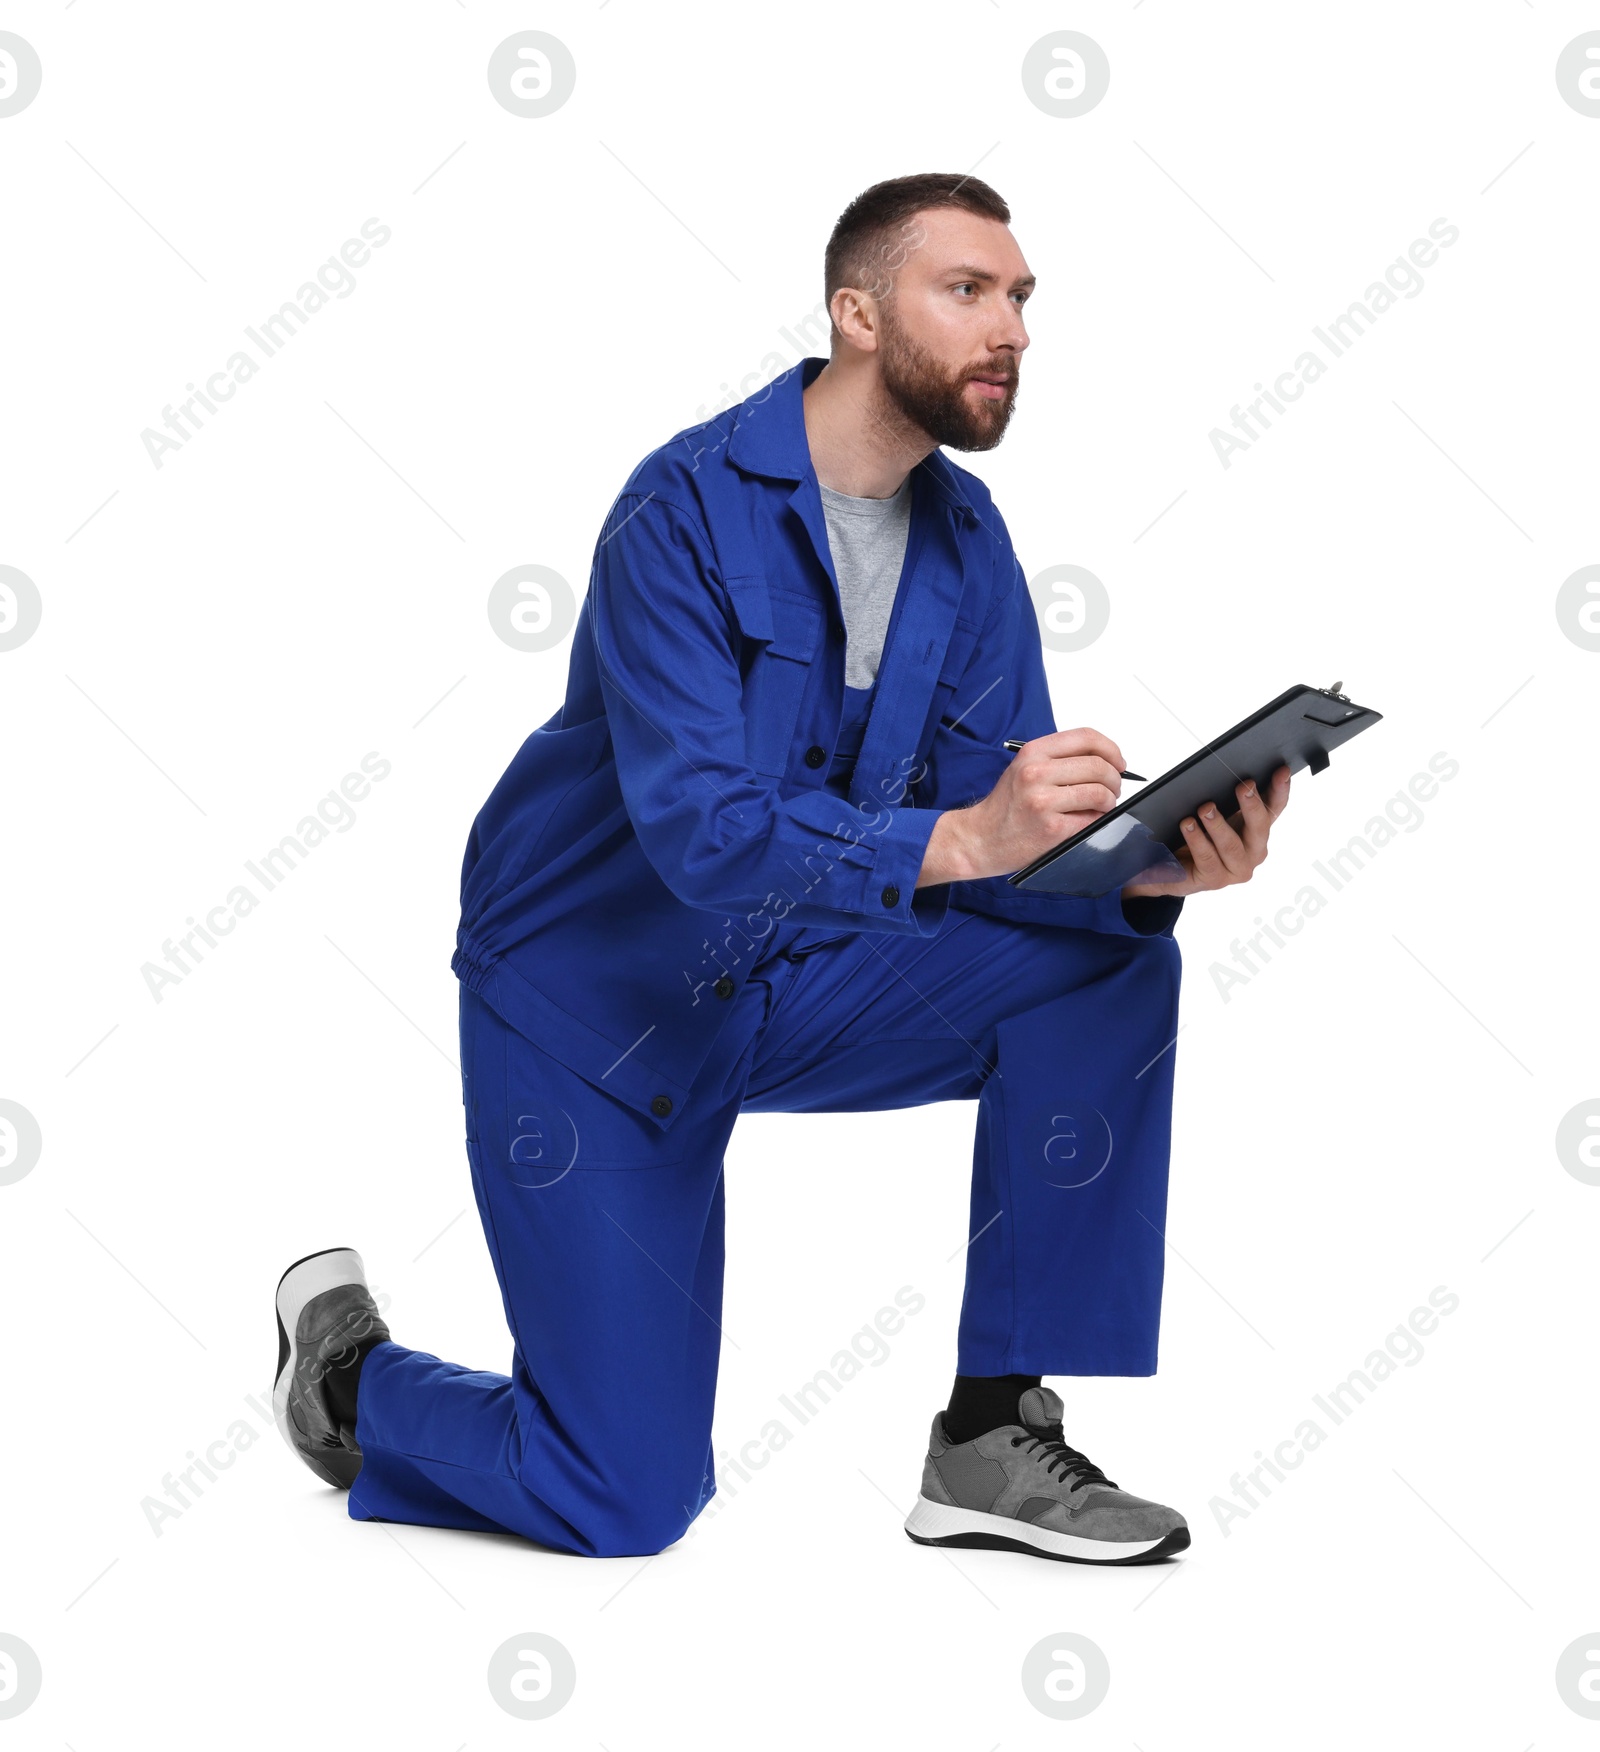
column 1138, row 778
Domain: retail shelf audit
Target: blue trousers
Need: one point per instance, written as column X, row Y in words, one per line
column 607, row 1233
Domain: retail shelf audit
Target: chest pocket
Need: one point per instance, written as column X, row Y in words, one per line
column 785, row 631
column 957, row 654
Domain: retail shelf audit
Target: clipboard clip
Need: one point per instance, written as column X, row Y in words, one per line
column 1316, row 757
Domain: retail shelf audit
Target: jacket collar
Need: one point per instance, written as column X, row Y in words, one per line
column 769, row 438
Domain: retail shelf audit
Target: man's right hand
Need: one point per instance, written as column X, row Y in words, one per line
column 1056, row 785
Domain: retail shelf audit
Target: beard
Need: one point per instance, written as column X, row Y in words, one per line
column 936, row 400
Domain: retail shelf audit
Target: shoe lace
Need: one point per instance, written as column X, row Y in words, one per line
column 1048, row 1443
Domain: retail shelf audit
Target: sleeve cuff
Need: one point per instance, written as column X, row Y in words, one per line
column 891, row 884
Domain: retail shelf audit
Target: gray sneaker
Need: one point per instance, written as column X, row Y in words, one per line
column 1021, row 1488
column 325, row 1311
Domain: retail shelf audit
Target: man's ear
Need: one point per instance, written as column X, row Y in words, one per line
column 857, row 318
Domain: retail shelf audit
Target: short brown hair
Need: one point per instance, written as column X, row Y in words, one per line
column 863, row 252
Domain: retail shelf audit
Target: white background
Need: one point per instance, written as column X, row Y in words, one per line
column 1372, row 1115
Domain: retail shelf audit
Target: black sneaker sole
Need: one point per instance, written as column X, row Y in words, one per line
column 1175, row 1541
column 972, row 1530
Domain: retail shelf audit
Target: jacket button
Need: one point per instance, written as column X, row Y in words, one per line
column 724, row 987
column 815, row 756
column 660, row 1106
column 891, row 896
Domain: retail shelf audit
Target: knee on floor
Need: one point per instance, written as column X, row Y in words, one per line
column 638, row 1528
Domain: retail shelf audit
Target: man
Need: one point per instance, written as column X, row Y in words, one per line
column 756, row 862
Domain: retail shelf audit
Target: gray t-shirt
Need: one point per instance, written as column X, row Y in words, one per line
column 867, row 538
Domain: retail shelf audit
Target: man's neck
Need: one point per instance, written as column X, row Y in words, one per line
column 860, row 442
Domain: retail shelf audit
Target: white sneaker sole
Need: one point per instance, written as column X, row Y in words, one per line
column 931, row 1523
column 299, row 1284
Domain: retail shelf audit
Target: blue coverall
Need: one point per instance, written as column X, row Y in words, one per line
column 692, row 893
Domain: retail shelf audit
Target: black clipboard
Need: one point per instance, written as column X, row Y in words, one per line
column 1299, row 729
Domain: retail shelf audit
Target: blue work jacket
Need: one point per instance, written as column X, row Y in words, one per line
column 640, row 851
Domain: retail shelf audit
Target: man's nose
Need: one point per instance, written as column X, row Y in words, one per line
column 1011, row 336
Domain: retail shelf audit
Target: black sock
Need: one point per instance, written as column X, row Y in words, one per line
column 344, row 1376
column 980, row 1403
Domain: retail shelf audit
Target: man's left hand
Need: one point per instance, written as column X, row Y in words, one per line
column 1215, row 852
